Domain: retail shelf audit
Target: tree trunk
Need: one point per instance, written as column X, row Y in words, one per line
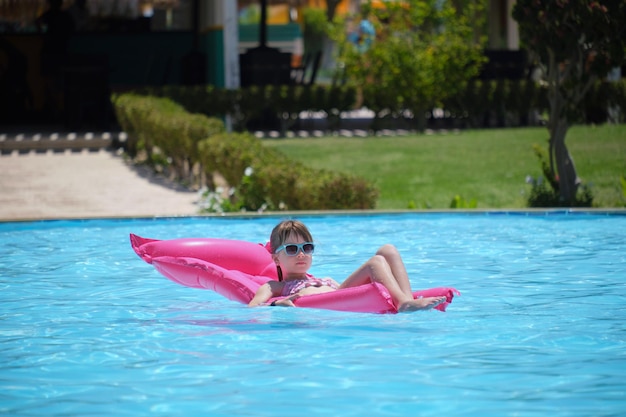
column 331, row 7
column 567, row 178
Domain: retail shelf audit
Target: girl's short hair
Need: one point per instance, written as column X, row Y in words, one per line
column 282, row 230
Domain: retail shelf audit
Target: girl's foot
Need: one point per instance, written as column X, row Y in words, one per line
column 424, row 303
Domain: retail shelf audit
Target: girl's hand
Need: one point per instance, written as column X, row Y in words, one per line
column 287, row 301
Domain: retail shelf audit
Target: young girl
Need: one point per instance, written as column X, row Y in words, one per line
column 291, row 245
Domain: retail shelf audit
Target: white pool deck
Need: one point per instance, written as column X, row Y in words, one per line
column 85, row 184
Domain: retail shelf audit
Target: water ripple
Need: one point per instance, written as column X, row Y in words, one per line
column 87, row 327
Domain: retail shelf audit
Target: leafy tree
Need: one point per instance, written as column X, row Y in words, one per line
column 315, row 28
column 576, row 43
column 423, row 51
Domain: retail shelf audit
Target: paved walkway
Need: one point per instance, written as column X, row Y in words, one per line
column 85, row 184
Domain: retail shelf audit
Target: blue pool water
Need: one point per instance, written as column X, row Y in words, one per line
column 89, row 329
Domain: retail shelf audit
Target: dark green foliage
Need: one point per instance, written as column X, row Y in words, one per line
column 471, row 106
column 542, row 196
column 575, row 44
column 262, row 178
column 545, row 190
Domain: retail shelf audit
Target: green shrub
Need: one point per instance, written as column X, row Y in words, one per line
column 510, row 101
column 261, row 178
column 459, row 202
column 285, row 103
column 542, row 196
column 265, row 179
column 544, row 190
column 160, row 126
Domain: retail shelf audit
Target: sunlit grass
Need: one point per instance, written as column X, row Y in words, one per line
column 490, row 166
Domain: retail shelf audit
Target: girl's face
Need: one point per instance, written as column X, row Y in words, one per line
column 293, row 266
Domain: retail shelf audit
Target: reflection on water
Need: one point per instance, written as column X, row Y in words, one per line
column 86, row 324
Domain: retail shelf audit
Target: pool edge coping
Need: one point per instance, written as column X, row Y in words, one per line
column 321, row 213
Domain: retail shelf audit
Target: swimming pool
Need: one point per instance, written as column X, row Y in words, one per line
column 89, row 329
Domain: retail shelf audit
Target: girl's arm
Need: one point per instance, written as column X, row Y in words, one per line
column 269, row 290
column 264, row 293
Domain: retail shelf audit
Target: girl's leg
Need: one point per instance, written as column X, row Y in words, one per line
column 381, row 268
column 398, row 270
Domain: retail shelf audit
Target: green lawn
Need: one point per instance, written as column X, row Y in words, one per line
column 488, row 165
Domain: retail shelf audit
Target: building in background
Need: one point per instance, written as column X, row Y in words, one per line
column 124, row 44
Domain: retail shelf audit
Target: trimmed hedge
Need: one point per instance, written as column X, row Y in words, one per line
column 275, row 182
column 159, row 124
column 283, row 103
column 480, row 104
column 512, row 103
column 263, row 178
